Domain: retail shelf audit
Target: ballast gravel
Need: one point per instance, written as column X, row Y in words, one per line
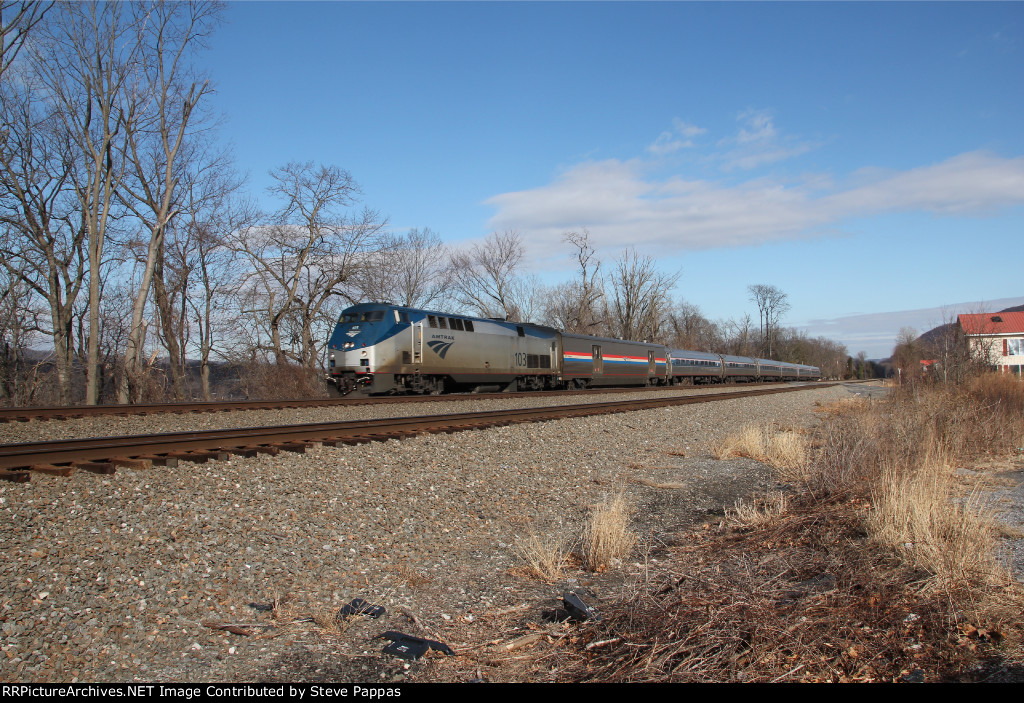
column 133, row 576
column 116, row 425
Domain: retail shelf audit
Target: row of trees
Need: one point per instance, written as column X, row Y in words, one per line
column 631, row 299
column 124, row 234
column 131, row 259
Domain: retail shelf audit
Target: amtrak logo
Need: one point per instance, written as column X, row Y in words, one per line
column 441, row 348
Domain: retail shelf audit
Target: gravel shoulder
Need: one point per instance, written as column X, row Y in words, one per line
column 126, row 577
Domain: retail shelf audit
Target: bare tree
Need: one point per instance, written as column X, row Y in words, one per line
column 577, row 306
column 161, row 144
column 772, row 304
column 906, row 355
column 759, row 296
column 740, row 337
column 640, row 297
column 796, row 347
column 17, row 19
column 44, row 240
column 691, row 330
column 202, row 267
column 88, row 65
column 484, row 278
column 406, row 269
column 19, row 322
column 312, row 246
column 778, row 305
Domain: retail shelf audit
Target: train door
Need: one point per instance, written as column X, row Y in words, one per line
column 416, row 330
column 652, row 369
column 598, row 360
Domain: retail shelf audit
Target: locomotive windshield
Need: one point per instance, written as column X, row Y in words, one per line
column 369, row 316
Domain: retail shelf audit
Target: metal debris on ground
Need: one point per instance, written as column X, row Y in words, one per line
column 574, row 609
column 358, row 606
column 412, row 648
column 577, row 609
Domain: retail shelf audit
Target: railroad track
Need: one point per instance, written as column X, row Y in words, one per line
column 105, row 454
column 65, row 412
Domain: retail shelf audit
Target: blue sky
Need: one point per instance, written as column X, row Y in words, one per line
column 866, row 158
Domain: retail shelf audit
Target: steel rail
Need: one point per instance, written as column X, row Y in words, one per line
column 56, row 452
column 63, row 412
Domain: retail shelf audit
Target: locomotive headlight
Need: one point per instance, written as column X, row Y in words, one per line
column 348, row 345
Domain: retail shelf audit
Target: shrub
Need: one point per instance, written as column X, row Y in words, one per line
column 607, row 537
column 545, row 556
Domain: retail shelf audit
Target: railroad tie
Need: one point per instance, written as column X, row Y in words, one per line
column 16, row 476
column 160, row 460
column 297, row 447
column 200, row 457
column 96, row 467
column 251, row 451
column 129, row 463
column 51, row 470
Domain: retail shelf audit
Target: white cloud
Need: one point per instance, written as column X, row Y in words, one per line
column 977, row 182
column 617, row 202
column 679, row 137
column 759, row 142
column 759, row 127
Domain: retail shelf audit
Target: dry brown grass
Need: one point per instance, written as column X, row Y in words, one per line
column 901, row 455
column 411, row 577
column 784, row 450
column 607, row 537
column 757, row 511
column 922, row 517
column 265, row 381
column 882, row 570
column 545, row 556
column 801, row 597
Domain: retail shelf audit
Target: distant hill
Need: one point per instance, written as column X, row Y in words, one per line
column 937, row 334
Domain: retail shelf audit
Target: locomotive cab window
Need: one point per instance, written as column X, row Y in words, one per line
column 442, row 322
column 520, row 332
column 469, row 325
column 456, row 324
column 432, row 320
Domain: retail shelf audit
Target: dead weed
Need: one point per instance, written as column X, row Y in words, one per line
column 801, row 597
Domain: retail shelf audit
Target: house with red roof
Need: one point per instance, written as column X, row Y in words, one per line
column 997, row 336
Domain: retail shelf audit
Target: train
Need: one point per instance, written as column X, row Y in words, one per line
column 378, row 348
